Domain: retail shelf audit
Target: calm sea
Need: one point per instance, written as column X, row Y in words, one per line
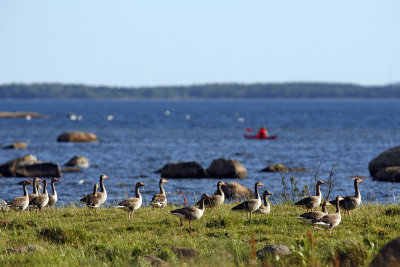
column 143, row 135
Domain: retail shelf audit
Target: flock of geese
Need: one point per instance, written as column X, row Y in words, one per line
column 39, row 200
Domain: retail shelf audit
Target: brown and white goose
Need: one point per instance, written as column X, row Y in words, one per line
column 21, row 203
column 102, row 195
column 313, row 216
column 53, row 198
column 35, row 188
column 217, row 199
column 251, row 204
column 132, row 204
column 311, row 202
column 40, row 201
column 160, row 200
column 190, row 213
column 92, row 200
column 266, row 208
column 332, row 220
column 349, row 203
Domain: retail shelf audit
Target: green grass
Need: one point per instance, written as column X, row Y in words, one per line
column 72, row 236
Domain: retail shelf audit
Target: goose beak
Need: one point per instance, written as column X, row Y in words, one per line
column 223, row 184
column 106, row 177
column 57, row 180
column 166, row 181
column 261, row 184
column 271, row 194
column 39, row 179
column 361, row 181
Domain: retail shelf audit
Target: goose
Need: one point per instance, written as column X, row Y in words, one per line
column 160, row 200
column 38, row 188
column 313, row 216
column 53, row 198
column 35, row 188
column 311, row 202
column 350, row 202
column 92, row 200
column 190, row 213
column 40, row 201
column 21, row 203
column 332, row 220
column 132, row 204
column 102, row 195
column 252, row 204
column 266, row 208
column 217, row 199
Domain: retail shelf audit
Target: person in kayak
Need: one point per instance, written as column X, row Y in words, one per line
column 262, row 133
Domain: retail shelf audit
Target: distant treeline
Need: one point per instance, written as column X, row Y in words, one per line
column 259, row 90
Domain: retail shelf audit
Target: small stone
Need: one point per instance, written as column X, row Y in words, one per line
column 154, row 261
column 185, row 252
column 273, row 250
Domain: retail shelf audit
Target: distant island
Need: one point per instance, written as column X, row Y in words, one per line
column 227, row 90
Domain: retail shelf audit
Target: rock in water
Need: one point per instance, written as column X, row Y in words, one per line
column 29, row 166
column 227, row 168
column 235, row 190
column 386, row 166
column 18, row 145
column 78, row 161
column 189, row 169
column 77, row 137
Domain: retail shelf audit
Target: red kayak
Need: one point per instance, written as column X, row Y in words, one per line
column 262, row 138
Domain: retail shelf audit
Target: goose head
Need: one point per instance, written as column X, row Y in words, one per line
column 103, row 176
column 267, row 193
column 358, row 180
column 54, row 179
column 139, row 184
column 204, row 196
column 259, row 184
column 320, row 183
column 163, row 180
column 220, row 183
column 26, row 182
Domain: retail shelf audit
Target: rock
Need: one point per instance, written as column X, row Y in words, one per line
column 20, row 114
column 388, row 256
column 273, row 250
column 29, row 166
column 154, row 261
column 18, row 145
column 235, row 190
column 78, row 161
column 189, row 169
column 390, row 174
column 280, row 167
column 389, row 158
column 71, row 169
column 24, row 249
column 185, row 252
column 77, row 137
column 226, row 168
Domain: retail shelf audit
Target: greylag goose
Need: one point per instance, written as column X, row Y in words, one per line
column 35, row 188
column 102, row 195
column 190, row 213
column 21, row 203
column 132, row 204
column 311, row 202
column 266, row 208
column 313, row 216
column 217, row 199
column 40, row 201
column 92, row 200
column 53, row 198
column 332, row 220
column 349, row 203
column 251, row 204
column 160, row 200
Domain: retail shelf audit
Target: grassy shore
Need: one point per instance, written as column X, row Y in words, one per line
column 71, row 236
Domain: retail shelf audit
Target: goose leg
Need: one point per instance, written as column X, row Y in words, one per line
column 190, row 224
column 181, row 225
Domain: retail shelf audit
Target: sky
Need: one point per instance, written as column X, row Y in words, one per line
column 152, row 43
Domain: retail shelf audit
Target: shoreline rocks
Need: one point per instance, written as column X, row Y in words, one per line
column 190, row 169
column 236, row 190
column 77, row 137
column 280, row 167
column 78, row 161
column 227, row 168
column 386, row 166
column 29, row 166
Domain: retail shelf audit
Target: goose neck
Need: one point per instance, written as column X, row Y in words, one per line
column 357, row 190
column 53, row 187
column 202, row 206
column 219, row 189
column 138, row 195
column 318, row 189
column 257, row 195
column 337, row 206
column 162, row 191
column 25, row 190
column 102, row 187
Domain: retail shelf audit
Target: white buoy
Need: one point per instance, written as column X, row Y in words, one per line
column 167, row 112
column 28, row 117
column 81, row 181
column 187, row 116
column 72, row 117
column 110, row 117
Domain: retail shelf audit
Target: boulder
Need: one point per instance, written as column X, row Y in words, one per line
column 154, row 261
column 390, row 174
column 20, row 114
column 29, row 166
column 388, row 256
column 18, row 145
column 71, row 169
column 77, row 137
column 235, row 190
column 78, row 161
column 184, row 252
column 280, row 167
column 226, row 168
column 273, row 250
column 189, row 169
column 389, row 158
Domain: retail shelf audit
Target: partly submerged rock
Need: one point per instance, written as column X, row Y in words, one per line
column 236, row 190
column 382, row 167
column 18, row 145
column 189, row 169
column 29, row 166
column 226, row 168
column 20, row 114
column 71, row 169
column 282, row 168
column 78, row 161
column 77, row 137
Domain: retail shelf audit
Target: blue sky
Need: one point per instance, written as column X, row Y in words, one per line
column 150, row 43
